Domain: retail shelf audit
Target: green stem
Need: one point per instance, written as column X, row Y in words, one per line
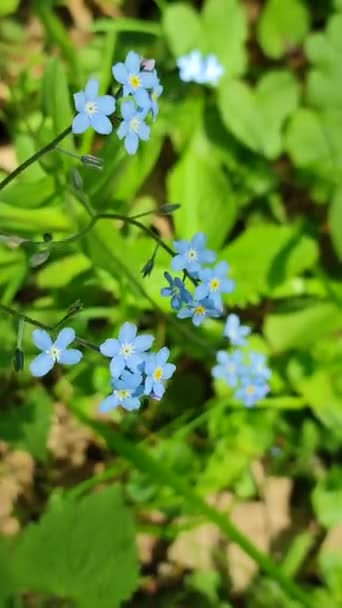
column 34, row 158
column 146, row 463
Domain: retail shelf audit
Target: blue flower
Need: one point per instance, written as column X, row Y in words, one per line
column 93, row 110
column 258, row 367
column 191, row 67
column 212, row 70
column 157, row 370
column 133, row 127
column 135, row 81
column 251, row 390
column 127, row 393
column 191, row 254
column 213, row 283
column 199, row 310
column 235, row 332
column 126, row 351
column 156, row 92
column 229, row 367
column 177, row 291
column 53, row 352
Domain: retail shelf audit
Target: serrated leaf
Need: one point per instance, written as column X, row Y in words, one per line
column 282, row 26
column 264, row 257
column 81, row 550
column 256, row 117
column 207, row 201
column 182, row 27
column 63, row 271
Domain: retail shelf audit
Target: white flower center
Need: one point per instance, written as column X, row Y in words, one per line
column 91, row 107
column 127, row 350
column 55, row 353
column 134, row 124
column 192, row 255
column 123, row 394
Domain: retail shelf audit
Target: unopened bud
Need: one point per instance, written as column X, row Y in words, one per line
column 76, row 179
column 147, row 269
column 92, row 161
column 168, row 208
column 18, row 360
column 148, row 65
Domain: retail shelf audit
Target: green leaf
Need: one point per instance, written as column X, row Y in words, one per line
column 324, row 51
column 199, row 184
column 327, row 499
column 30, row 221
column 264, row 257
column 282, row 26
column 330, row 563
column 7, row 586
column 182, row 27
column 127, row 24
column 56, row 100
column 8, row 6
column 302, row 328
column 225, row 30
column 27, row 426
column 61, row 272
column 81, row 550
column 256, row 117
column 335, row 222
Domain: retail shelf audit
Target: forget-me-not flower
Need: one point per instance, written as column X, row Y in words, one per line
column 236, row 332
column 128, row 351
column 191, row 67
column 135, row 80
column 213, row 283
column 212, row 70
column 54, row 352
column 199, row 310
column 157, row 370
column 133, row 127
column 251, row 390
column 155, row 94
column 177, row 291
column 127, row 392
column 258, row 366
column 229, row 367
column 192, row 254
column 93, row 110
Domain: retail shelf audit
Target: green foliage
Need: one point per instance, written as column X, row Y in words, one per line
column 282, row 27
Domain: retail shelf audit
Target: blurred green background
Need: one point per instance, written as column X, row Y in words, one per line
column 256, row 164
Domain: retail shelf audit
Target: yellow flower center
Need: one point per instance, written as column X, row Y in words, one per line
column 158, row 373
column 215, row 284
column 134, row 81
column 231, row 368
column 134, row 124
column 250, row 389
column 91, row 107
column 54, row 352
column 123, row 393
column 200, row 310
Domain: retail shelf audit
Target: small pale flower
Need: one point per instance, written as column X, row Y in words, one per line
column 251, row 390
column 213, row 283
column 155, row 94
column 157, row 371
column 133, row 127
column 229, row 367
column 212, row 70
column 128, row 351
column 199, row 310
column 236, row 332
column 191, row 67
column 135, row 80
column 53, row 352
column 127, row 392
column 192, row 254
column 258, row 366
column 176, row 291
column 93, row 110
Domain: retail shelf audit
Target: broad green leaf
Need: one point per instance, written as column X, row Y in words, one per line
column 208, row 203
column 325, row 78
column 30, row 221
column 264, row 257
column 127, row 24
column 282, row 26
column 256, row 117
column 182, row 27
column 330, row 563
column 327, row 499
column 225, row 30
column 80, row 550
column 56, row 100
column 335, row 222
column 32, row 194
column 61, row 272
column 8, row 6
column 302, row 328
column 27, row 426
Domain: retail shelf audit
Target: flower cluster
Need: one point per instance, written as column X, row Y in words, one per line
column 135, row 372
column 203, row 70
column 140, row 87
column 209, row 283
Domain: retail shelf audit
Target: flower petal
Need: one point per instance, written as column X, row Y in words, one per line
column 107, row 404
column 163, row 355
column 70, row 356
column 178, row 262
column 133, row 62
column 41, row 365
column 148, row 79
column 110, row 347
column 127, row 332
column 106, row 104
column 131, row 143
column 144, row 131
column 132, row 403
column 92, row 89
column 201, row 291
column 80, row 101
column 64, row 338
column 117, row 365
column 80, row 123
column 142, row 98
column 185, row 313
column 169, row 370
column 142, row 343
column 120, row 72
column 158, row 389
column 101, row 124
column 41, row 339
